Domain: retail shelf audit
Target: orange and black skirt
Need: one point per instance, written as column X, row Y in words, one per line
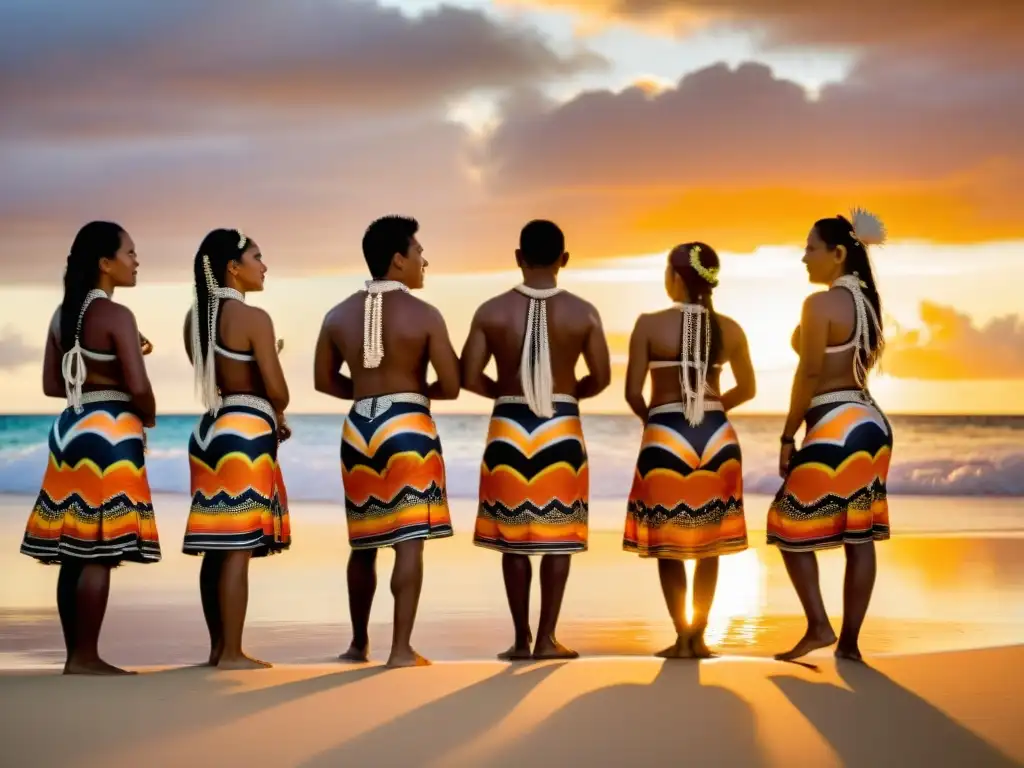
column 393, row 472
column 534, row 481
column 834, row 492
column 687, row 496
column 95, row 504
column 239, row 500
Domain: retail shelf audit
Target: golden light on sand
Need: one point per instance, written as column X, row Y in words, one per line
column 738, row 599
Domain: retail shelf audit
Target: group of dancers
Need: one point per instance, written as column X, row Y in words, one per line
column 95, row 511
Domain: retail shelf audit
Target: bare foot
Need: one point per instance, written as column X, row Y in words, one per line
column 355, row 655
column 215, row 654
column 814, row 639
column 94, row 667
column 552, row 649
column 409, row 658
column 699, row 648
column 849, row 653
column 516, row 653
column 680, row 649
column 242, row 662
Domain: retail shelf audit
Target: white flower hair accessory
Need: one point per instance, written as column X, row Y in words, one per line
column 868, row 229
column 242, row 240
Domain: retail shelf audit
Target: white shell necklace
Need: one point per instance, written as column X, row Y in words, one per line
column 535, row 365
column 373, row 319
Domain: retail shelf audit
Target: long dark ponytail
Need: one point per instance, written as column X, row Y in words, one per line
column 699, row 289
column 840, row 231
column 219, row 248
column 96, row 240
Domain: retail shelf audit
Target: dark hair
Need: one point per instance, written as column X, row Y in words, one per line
column 839, row 231
column 541, row 243
column 220, row 247
column 96, row 240
column 699, row 290
column 384, row 238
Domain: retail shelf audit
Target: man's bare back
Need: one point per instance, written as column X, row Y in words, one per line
column 414, row 334
column 574, row 329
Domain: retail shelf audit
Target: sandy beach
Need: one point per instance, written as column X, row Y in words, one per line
column 905, row 710
column 946, row 628
column 934, row 593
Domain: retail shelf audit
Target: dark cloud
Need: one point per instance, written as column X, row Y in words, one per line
column 119, row 66
column 951, row 347
column 14, row 352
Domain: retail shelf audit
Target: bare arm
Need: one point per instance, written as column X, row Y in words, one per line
column 475, row 356
column 129, row 353
column 53, row 375
column 598, row 360
column 187, row 335
column 327, row 376
column 264, row 347
column 813, row 340
column 743, row 372
column 636, row 371
column 443, row 359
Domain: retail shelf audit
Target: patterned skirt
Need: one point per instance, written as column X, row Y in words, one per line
column 239, row 501
column 834, row 492
column 95, row 503
column 393, row 472
column 687, row 495
column 534, row 481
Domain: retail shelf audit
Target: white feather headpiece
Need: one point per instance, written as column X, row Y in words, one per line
column 868, row 229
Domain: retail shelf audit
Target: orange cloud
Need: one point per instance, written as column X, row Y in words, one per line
column 951, row 347
column 991, row 28
column 740, row 158
column 302, row 126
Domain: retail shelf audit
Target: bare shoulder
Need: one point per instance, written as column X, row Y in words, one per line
column 343, row 308
column 820, row 303
column 422, row 311
column 116, row 312
column 493, row 309
column 257, row 317
column 582, row 307
column 729, row 326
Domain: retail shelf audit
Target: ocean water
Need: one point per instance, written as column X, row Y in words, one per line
column 967, row 456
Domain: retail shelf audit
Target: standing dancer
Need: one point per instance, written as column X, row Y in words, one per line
column 534, row 479
column 687, row 495
column 834, row 487
column 94, row 510
column 391, row 464
column 239, row 502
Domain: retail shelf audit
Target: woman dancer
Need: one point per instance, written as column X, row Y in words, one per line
column 687, row 495
column 94, row 510
column 834, row 490
column 239, row 504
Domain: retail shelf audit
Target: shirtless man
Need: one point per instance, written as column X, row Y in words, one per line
column 534, row 482
column 391, row 464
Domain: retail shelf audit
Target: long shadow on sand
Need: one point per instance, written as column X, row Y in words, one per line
column 881, row 723
column 672, row 721
column 179, row 700
column 440, row 726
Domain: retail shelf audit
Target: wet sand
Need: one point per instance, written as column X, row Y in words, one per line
column 934, row 593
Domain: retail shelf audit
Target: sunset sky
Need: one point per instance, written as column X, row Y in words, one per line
column 635, row 124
